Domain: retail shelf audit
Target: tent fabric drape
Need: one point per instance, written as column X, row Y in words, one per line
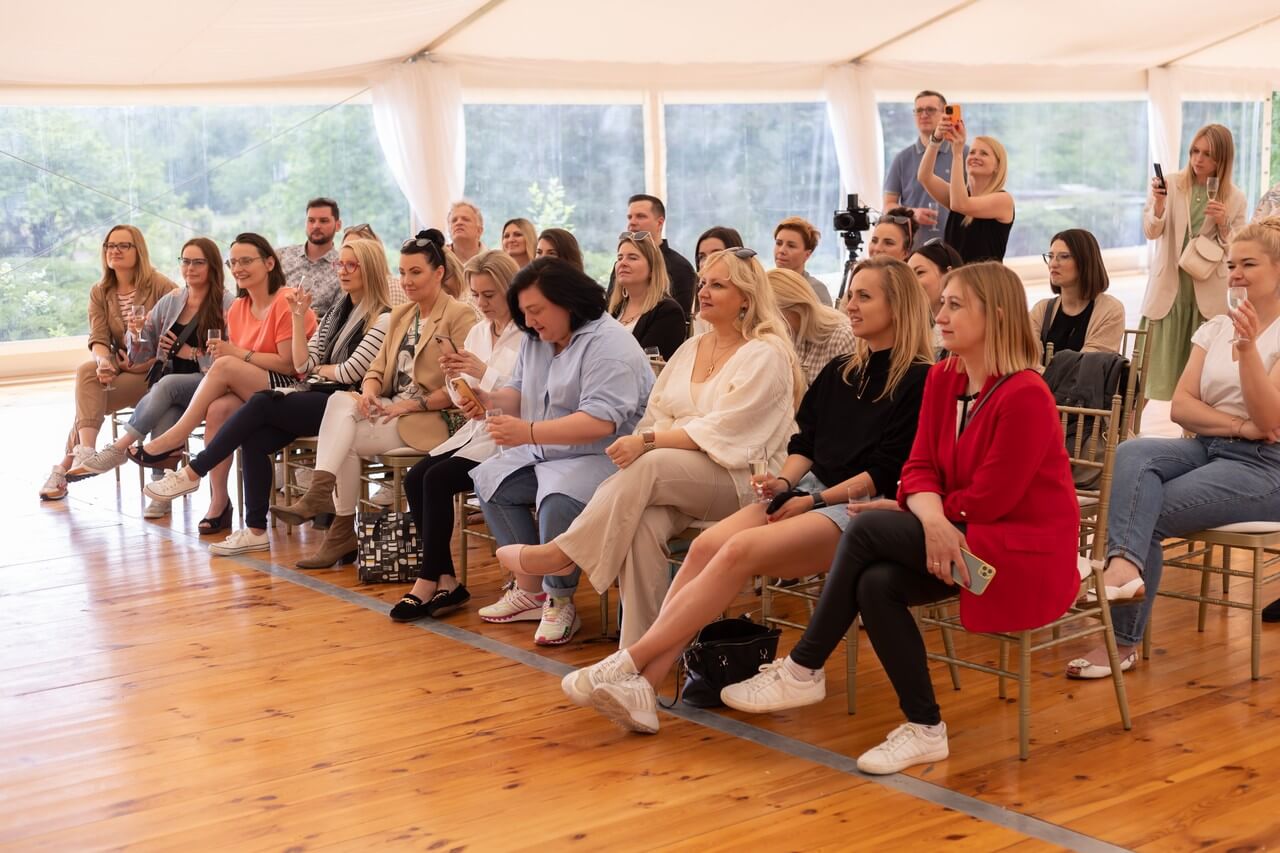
column 417, row 111
column 855, row 124
column 1164, row 118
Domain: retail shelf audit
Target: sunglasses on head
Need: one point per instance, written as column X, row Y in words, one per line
column 896, row 220
column 422, row 243
column 635, row 236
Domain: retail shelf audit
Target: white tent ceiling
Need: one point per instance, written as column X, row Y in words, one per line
column 76, row 46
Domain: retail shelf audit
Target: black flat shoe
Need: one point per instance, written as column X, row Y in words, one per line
column 1271, row 613
column 409, row 609
column 210, row 525
column 164, row 461
column 445, row 601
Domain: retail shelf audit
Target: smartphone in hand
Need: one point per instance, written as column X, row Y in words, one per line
column 445, row 343
column 954, row 112
column 980, row 573
column 1160, row 176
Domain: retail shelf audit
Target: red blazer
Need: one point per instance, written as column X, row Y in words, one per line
column 1008, row 479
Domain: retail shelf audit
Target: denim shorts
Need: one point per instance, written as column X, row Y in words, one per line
column 838, row 513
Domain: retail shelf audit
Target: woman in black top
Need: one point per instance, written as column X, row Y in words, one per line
column 981, row 209
column 857, row 423
column 641, row 298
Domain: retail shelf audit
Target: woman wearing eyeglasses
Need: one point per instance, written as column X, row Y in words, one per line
column 257, row 357
column 641, row 299
column 400, row 402
column 893, row 234
column 109, row 382
column 1081, row 317
column 981, row 210
column 340, row 352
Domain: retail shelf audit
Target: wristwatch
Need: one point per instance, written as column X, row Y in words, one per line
column 650, row 440
column 818, row 502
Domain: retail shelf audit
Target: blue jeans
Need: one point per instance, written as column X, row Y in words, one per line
column 509, row 514
column 162, row 406
column 1171, row 487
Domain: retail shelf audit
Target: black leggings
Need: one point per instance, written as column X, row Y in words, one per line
column 879, row 572
column 263, row 425
column 430, row 486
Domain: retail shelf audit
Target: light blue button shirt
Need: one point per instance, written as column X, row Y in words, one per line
column 602, row 372
column 901, row 179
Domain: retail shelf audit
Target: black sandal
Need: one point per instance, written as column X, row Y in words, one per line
column 164, row 461
column 210, row 524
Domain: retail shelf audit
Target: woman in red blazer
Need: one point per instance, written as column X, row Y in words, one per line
column 989, row 474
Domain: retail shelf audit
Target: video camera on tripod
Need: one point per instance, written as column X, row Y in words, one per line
column 849, row 224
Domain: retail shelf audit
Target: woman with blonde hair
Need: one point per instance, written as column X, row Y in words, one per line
column 1185, row 213
column 981, row 208
column 724, row 397
column 519, row 240
column 856, row 425
column 818, row 333
column 108, row 382
column 641, row 299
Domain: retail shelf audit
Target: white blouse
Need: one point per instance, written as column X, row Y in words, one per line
column 748, row 403
column 1220, row 378
column 472, row 441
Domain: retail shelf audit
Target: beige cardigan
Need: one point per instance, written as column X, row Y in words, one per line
column 1106, row 326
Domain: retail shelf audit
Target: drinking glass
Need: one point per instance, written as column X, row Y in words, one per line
column 857, row 499
column 139, row 313
column 297, row 308
column 490, row 414
column 653, row 353
column 207, row 358
column 1211, row 184
column 1236, row 296
column 933, row 205
column 758, row 461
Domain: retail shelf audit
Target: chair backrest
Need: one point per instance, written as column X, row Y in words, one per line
column 1093, row 447
column 1136, row 346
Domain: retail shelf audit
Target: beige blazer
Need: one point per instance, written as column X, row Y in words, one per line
column 1168, row 233
column 1106, row 324
column 449, row 319
column 106, row 323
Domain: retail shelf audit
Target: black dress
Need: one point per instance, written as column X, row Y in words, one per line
column 980, row 240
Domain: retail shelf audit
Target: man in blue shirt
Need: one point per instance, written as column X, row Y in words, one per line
column 901, row 189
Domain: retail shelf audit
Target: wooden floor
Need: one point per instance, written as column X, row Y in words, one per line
column 156, row 698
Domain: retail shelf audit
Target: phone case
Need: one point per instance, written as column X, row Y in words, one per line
column 980, row 573
column 464, row 390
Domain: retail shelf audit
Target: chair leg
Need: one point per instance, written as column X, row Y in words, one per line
column 1146, row 638
column 460, row 514
column 1203, row 606
column 1226, row 563
column 1024, row 695
column 851, row 667
column 949, row 646
column 1113, row 653
column 1003, row 667
column 766, row 601
column 1255, row 643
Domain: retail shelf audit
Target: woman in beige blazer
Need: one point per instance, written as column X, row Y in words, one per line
column 1175, row 303
column 1080, row 316
column 399, row 403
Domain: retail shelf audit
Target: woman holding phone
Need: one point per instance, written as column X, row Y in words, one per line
column 981, row 209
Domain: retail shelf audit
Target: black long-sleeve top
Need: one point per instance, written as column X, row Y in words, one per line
column 663, row 327
column 846, row 430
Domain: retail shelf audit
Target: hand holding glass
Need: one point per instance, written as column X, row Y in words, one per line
column 1236, row 296
column 490, row 414
column 857, row 501
column 758, row 462
column 1211, row 185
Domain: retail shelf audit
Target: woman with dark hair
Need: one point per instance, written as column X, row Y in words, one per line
column 519, row 240
column 893, row 233
column 559, row 243
column 400, row 400
column 641, row 299
column 256, row 357
column 108, row 382
column 1082, row 317
column 717, row 238
column 931, row 263
column 580, row 382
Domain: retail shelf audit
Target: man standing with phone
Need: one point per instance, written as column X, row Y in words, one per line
column 901, row 188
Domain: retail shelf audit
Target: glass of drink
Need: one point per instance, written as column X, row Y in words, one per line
column 758, row 462
column 1236, row 296
column 857, row 499
column 1211, row 185
column 653, row 353
column 933, row 206
column 138, row 313
column 297, row 307
column 490, row 414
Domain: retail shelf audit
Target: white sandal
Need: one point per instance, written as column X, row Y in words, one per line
column 1133, row 592
column 1082, row 669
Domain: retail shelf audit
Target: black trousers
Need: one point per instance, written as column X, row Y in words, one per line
column 263, row 425
column 879, row 571
column 430, row 486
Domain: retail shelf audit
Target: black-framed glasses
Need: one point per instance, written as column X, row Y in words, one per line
column 1061, row 257
column 424, row 243
column 637, row 236
column 232, row 263
column 123, row 247
column 192, row 262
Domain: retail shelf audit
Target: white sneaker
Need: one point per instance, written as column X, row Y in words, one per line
column 774, row 689
column 242, row 541
column 383, row 497
column 629, row 702
column 516, row 605
column 55, row 487
column 578, row 684
column 907, row 745
column 559, row 622
column 157, row 509
column 107, row 459
column 175, row 484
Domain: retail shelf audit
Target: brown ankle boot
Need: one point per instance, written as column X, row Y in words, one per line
column 339, row 545
column 317, row 499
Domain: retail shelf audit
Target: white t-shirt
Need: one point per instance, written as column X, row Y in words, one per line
column 1220, row 379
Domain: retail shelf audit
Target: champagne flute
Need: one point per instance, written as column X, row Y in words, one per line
column 207, row 359
column 139, row 313
column 758, row 462
column 489, row 415
column 1211, row 185
column 301, row 289
column 1236, row 296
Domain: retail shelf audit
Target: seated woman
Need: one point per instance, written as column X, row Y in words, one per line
column 717, row 238
column 485, row 362
column 519, row 240
column 255, row 358
column 856, row 425
column 794, row 242
column 724, row 397
column 988, row 474
column 580, row 381
column 399, row 402
column 1229, row 396
column 818, row 333
column 1082, row 317
column 173, row 332
column 981, row 209
column 931, row 262
column 893, row 233
column 641, row 301
column 108, row 382
column 559, row 243
column 349, row 337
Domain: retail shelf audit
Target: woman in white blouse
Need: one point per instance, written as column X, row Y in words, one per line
column 485, row 362
column 723, row 393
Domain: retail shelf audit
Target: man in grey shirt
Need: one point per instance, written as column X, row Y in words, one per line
column 311, row 263
column 901, row 189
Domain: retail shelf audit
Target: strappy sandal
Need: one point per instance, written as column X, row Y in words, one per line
column 163, row 461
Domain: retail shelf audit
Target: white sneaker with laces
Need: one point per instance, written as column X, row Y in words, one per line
column 107, row 459
column 383, row 497
column 559, row 622
column 629, row 702
column 773, row 688
column 515, row 605
column 55, row 487
column 175, row 484
column 157, row 509
column 579, row 684
column 242, row 541
column 907, row 745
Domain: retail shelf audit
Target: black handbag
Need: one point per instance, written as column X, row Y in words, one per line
column 725, row 652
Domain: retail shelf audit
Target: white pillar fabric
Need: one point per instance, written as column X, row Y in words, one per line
column 855, row 123
column 655, row 145
column 417, row 110
column 1164, row 119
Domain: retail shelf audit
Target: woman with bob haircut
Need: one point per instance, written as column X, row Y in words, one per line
column 856, row 425
column 641, row 299
column 1082, row 317
column 893, row 233
column 988, row 474
column 519, row 240
column 108, row 382
column 981, row 209
column 559, row 243
column 723, row 393
column 794, row 242
column 818, row 333
column 579, row 383
column 717, row 238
